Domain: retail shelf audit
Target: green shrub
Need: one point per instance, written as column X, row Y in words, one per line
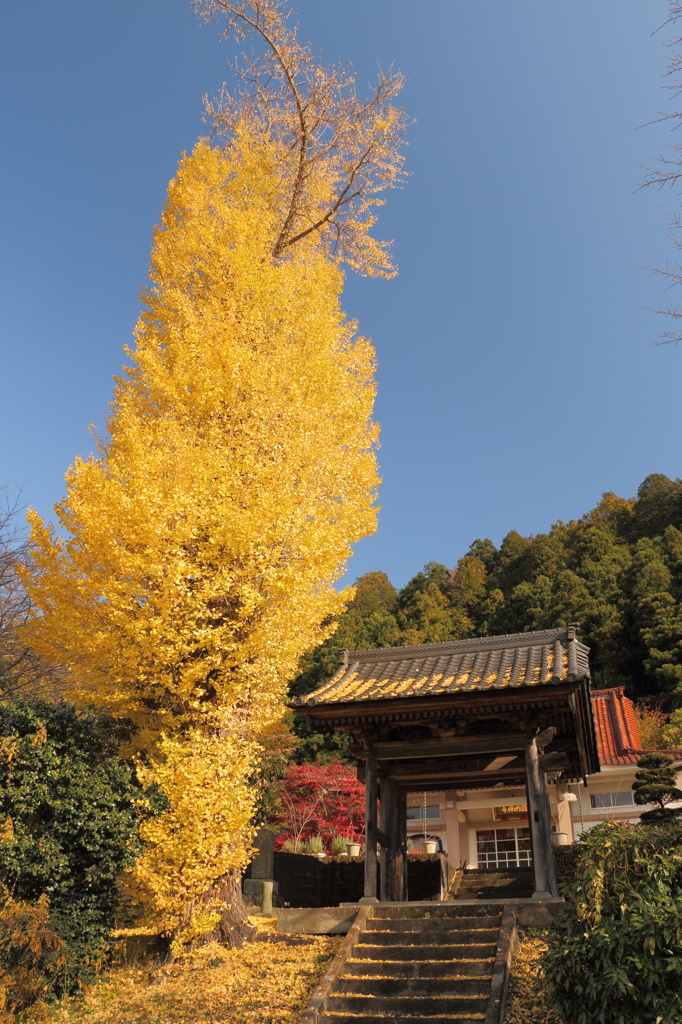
column 69, row 813
column 618, row 956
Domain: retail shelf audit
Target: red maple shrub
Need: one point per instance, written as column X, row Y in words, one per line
column 320, row 799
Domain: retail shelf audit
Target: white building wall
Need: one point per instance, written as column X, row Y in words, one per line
column 462, row 814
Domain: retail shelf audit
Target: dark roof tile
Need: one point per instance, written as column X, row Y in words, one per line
column 457, row 666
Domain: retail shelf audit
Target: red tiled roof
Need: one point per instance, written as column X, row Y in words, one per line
column 618, row 739
column 616, row 727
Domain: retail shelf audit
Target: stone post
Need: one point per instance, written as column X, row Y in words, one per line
column 262, row 870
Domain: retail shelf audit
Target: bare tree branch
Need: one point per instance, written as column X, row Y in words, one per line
column 666, row 172
column 22, row 673
column 338, row 152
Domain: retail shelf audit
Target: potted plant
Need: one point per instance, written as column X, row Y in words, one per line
column 339, row 846
column 293, row 846
column 316, row 846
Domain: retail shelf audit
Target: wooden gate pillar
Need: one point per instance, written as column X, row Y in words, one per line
column 401, row 858
column 540, row 820
column 393, row 827
column 370, row 892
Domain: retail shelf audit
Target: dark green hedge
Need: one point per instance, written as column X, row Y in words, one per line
column 617, row 959
column 69, row 814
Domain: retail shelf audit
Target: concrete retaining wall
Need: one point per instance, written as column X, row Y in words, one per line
column 304, row 881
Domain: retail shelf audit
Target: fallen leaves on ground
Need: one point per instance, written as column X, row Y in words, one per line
column 527, row 992
column 268, row 981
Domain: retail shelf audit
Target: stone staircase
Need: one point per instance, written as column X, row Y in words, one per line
column 484, row 884
column 412, row 964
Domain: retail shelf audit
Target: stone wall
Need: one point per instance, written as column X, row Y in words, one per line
column 565, row 858
column 305, row 881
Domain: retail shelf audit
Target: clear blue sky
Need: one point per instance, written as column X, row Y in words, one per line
column 518, row 376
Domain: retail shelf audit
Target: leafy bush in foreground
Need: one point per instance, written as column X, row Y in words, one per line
column 32, row 955
column 69, row 812
column 618, row 956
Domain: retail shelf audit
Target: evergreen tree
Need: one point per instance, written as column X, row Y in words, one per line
column 659, row 505
column 672, row 731
column 656, row 783
column 425, row 604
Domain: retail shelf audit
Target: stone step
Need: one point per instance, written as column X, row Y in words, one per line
column 496, row 892
column 380, row 1018
column 444, row 985
column 496, row 883
column 492, row 894
column 471, row 951
column 493, row 880
column 397, row 925
column 507, row 869
column 405, row 912
column 398, row 969
column 508, row 872
column 489, row 885
column 421, row 964
column 407, row 1006
column 431, row 936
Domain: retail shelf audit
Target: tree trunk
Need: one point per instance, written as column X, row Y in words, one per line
column 233, row 928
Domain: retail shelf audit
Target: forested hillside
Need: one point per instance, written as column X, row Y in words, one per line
column 617, row 572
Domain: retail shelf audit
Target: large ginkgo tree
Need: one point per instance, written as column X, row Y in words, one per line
column 201, row 543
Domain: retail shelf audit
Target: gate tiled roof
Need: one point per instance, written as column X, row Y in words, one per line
column 458, row 666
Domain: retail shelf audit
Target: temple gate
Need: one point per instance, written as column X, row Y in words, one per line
column 467, row 714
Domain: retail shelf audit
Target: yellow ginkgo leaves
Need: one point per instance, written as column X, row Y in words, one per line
column 205, row 536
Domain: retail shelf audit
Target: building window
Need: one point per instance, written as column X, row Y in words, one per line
column 417, row 813
column 503, row 848
column 611, row 799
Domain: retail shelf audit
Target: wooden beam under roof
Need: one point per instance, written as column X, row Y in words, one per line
column 484, row 702
column 492, row 743
column 459, row 775
column 517, row 781
column 456, row 777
